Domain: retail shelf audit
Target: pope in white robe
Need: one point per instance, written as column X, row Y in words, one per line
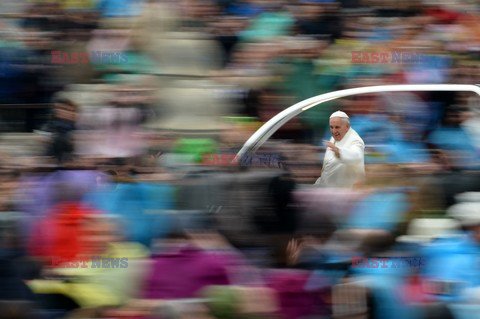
column 343, row 165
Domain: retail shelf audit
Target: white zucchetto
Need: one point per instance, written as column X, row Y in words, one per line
column 339, row 114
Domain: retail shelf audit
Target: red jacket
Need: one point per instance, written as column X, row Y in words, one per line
column 60, row 234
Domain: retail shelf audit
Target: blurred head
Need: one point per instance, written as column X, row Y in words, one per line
column 98, row 233
column 311, row 9
column 339, row 125
column 475, row 232
column 455, row 116
column 65, row 109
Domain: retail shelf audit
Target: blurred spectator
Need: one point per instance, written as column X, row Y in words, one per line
column 226, row 29
column 120, row 123
column 61, row 233
column 312, row 20
column 181, row 269
column 62, row 127
column 454, row 141
column 273, row 22
column 118, row 8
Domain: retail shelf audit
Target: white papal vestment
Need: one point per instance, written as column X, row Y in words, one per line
column 347, row 170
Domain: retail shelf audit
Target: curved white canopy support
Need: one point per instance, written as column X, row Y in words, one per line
column 270, row 127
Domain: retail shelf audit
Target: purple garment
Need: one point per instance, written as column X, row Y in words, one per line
column 295, row 301
column 39, row 192
column 184, row 273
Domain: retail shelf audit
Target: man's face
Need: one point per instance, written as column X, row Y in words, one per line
column 338, row 128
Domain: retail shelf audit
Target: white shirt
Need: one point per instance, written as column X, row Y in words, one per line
column 347, row 170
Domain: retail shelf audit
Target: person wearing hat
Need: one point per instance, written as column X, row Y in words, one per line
column 343, row 165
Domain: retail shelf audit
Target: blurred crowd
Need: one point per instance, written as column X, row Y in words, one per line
column 104, row 159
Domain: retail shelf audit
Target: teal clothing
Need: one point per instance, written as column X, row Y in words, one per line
column 457, row 141
column 453, row 260
column 266, row 25
column 303, row 81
